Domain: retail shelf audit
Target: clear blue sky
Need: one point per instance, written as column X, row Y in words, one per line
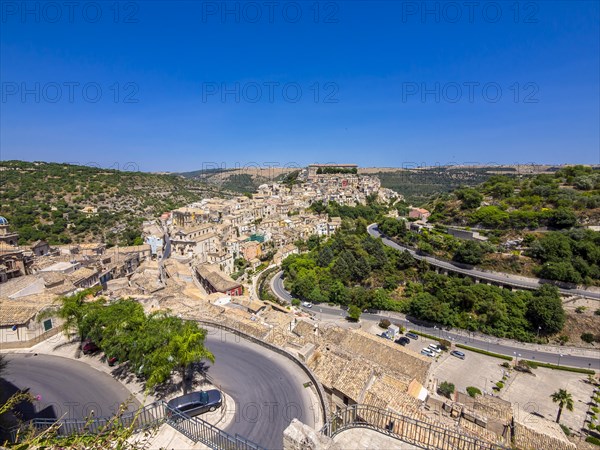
column 379, row 83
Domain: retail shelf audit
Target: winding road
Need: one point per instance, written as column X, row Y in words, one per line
column 267, row 388
column 493, row 277
column 67, row 388
column 488, row 343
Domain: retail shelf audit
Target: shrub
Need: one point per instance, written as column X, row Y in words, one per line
column 565, row 429
column 563, row 339
column 295, row 302
column 588, row 337
column 499, row 385
column 384, row 323
column 597, row 312
column 595, row 409
column 483, row 352
column 506, row 365
column 446, row 389
column 580, row 309
column 445, row 345
column 473, row 391
column 592, row 440
column 565, row 368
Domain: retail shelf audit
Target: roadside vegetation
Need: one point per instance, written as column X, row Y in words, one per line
column 153, row 346
column 533, row 225
column 353, row 268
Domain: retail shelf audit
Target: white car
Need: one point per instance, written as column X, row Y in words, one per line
column 427, row 352
column 307, row 304
column 435, row 348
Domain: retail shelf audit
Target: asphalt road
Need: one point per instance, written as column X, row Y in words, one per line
column 495, row 277
column 488, row 343
column 266, row 387
column 68, row 389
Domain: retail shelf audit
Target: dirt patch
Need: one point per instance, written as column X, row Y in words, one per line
column 577, row 324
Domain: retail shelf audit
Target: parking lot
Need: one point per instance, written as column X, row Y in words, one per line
column 529, row 393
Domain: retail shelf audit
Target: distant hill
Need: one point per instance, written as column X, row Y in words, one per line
column 417, row 185
column 49, row 200
column 241, row 180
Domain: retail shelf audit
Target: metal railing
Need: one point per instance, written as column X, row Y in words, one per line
column 199, row 430
column 406, row 429
column 146, row 417
column 151, row 415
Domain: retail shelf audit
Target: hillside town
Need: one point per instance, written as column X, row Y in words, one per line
column 202, row 262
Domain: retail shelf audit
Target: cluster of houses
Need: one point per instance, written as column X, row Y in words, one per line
column 33, row 277
column 266, row 225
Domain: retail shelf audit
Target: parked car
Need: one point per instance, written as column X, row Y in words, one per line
column 88, row 347
column 458, row 354
column 427, row 352
column 412, row 336
column 436, row 348
column 307, row 304
column 384, row 335
column 196, row 403
column 403, row 340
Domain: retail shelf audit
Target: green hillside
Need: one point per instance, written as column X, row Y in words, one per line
column 45, row 201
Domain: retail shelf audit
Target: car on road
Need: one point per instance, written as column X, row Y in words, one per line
column 458, row 354
column 412, row 336
column 88, row 347
column 428, row 352
column 403, row 340
column 371, row 311
column 307, row 304
column 196, row 403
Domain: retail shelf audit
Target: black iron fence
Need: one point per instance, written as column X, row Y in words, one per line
column 149, row 416
column 406, row 429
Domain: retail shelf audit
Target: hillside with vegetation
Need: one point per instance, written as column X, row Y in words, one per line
column 419, row 186
column 535, row 226
column 354, row 268
column 49, row 200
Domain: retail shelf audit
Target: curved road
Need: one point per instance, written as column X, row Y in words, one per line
column 267, row 388
column 68, row 388
column 488, row 343
column 494, row 277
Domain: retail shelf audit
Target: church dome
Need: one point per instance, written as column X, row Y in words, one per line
column 3, row 221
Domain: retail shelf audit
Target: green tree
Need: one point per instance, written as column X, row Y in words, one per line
column 469, row 252
column 470, row 198
column 490, row 216
column 184, row 349
column 564, row 399
column 545, row 310
column 354, row 313
column 446, row 389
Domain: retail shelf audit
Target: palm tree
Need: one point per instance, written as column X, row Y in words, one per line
column 184, row 346
column 563, row 398
column 188, row 348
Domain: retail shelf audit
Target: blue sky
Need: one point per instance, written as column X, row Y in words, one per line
column 183, row 85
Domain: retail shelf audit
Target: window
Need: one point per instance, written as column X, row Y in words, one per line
column 47, row 324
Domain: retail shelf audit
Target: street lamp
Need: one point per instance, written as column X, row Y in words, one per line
column 538, row 333
column 560, row 355
column 517, row 356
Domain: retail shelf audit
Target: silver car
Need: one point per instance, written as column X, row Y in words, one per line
column 196, row 403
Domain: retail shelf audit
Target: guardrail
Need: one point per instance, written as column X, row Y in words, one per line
column 146, row 417
column 150, row 415
column 406, row 429
column 318, row 386
column 199, row 430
